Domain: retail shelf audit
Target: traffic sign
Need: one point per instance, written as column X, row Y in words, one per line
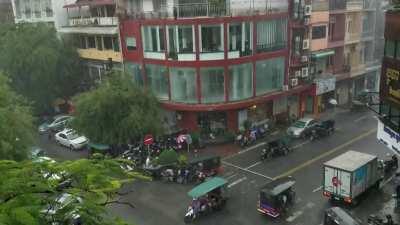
column 148, row 139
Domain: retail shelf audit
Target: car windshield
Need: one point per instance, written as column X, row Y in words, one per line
column 72, row 136
column 299, row 124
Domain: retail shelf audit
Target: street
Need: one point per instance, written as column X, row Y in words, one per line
column 165, row 203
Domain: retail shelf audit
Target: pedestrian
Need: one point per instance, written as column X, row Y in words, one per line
column 49, row 135
column 186, row 176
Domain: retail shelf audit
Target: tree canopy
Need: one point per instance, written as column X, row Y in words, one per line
column 117, row 112
column 30, row 191
column 41, row 66
column 16, row 124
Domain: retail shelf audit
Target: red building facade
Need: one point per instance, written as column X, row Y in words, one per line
column 215, row 72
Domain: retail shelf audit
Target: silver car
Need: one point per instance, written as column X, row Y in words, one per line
column 298, row 128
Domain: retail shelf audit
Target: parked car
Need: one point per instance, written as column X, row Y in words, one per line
column 298, row 128
column 56, row 124
column 71, row 139
column 61, row 207
column 36, row 152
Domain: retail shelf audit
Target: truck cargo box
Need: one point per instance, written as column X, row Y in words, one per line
column 349, row 175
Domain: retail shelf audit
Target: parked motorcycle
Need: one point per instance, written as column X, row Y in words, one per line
column 376, row 220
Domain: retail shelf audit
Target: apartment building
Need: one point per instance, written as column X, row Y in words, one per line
column 94, row 28
column 35, row 11
column 215, row 64
column 6, row 12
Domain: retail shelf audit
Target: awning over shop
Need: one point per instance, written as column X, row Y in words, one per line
column 320, row 54
column 80, row 3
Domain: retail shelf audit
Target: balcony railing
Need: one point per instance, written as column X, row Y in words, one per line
column 94, row 21
column 354, row 4
column 337, row 5
column 244, row 8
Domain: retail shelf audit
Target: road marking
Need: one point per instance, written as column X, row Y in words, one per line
column 231, row 176
column 317, row 189
column 247, row 170
column 294, row 216
column 327, row 153
column 253, row 165
column 237, row 182
column 245, row 150
column 301, row 144
column 361, row 118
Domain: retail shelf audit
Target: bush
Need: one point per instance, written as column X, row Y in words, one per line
column 229, row 136
column 182, row 160
column 168, row 157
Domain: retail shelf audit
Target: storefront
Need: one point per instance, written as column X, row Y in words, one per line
column 325, row 91
column 342, row 92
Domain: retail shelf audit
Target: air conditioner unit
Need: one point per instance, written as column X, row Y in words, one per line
column 307, row 10
column 306, row 44
column 297, row 73
column 285, row 87
column 304, row 72
column 304, row 59
column 294, row 82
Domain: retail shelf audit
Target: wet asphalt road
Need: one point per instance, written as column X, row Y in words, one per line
column 160, row 203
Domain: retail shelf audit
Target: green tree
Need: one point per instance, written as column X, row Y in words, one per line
column 117, row 111
column 29, row 191
column 16, row 124
column 41, row 66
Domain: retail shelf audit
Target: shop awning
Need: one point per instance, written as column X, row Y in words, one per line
column 80, row 3
column 320, row 54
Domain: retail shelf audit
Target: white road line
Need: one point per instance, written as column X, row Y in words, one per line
column 245, row 150
column 388, row 180
column 359, row 119
column 294, row 216
column 237, row 182
column 252, row 147
column 253, row 165
column 247, row 170
column 231, row 176
column 301, row 144
column 317, row 189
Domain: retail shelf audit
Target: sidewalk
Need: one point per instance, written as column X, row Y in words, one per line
column 228, row 149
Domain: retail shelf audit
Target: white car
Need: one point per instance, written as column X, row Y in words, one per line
column 71, row 139
column 300, row 127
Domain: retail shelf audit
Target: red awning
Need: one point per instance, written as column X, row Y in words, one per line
column 80, row 3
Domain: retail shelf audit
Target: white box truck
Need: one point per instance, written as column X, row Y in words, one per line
column 349, row 175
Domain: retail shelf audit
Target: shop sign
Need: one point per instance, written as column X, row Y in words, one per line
column 388, row 137
column 393, row 84
column 325, row 85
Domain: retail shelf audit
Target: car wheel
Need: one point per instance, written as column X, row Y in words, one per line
column 71, row 147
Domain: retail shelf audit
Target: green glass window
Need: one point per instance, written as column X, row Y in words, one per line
column 135, row 72
column 183, row 85
column 157, row 80
column 241, row 82
column 269, row 75
column 212, row 85
column 390, row 48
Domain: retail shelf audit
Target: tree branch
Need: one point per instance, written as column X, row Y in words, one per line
column 120, row 203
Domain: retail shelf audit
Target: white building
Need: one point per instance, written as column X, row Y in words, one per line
column 35, row 11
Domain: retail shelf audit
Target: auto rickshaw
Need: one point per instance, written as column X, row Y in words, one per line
column 275, row 197
column 337, row 216
column 209, row 165
column 277, row 147
column 207, row 197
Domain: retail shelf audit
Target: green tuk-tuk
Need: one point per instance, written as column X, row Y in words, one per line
column 209, row 165
column 207, row 197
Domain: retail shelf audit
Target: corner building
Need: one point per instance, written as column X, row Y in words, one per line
column 215, row 64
